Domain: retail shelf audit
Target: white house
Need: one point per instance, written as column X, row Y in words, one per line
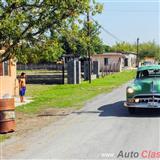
column 115, row 61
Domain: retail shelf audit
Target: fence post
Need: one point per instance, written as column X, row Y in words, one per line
column 71, row 72
column 96, row 68
column 63, row 74
column 114, row 70
column 78, row 72
column 86, row 70
column 107, row 69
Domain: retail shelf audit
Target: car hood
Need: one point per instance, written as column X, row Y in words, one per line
column 147, row 85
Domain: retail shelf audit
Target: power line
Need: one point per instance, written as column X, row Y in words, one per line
column 126, row 1
column 108, row 32
column 111, row 34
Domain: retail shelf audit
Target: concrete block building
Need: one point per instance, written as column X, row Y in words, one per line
column 116, row 61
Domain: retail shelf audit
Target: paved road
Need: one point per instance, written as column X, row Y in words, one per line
column 103, row 129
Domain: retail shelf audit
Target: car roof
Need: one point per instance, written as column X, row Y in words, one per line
column 150, row 67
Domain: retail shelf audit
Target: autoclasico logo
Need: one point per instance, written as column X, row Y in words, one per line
column 145, row 154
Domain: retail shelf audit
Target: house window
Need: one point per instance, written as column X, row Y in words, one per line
column 4, row 68
column 126, row 62
column 105, row 61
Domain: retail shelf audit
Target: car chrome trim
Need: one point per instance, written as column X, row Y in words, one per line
column 141, row 105
column 149, row 94
column 148, row 98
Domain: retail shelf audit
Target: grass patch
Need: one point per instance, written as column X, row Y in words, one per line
column 4, row 137
column 63, row 96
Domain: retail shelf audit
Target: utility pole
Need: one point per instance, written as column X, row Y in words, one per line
column 137, row 52
column 88, row 49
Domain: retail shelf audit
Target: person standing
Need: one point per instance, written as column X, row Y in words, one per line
column 22, row 86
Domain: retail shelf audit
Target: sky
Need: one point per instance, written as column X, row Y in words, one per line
column 129, row 20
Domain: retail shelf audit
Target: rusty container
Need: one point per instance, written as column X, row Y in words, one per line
column 7, row 115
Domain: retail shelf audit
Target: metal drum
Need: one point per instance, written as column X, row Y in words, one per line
column 7, row 115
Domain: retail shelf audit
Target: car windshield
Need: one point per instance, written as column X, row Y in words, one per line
column 148, row 73
column 147, row 63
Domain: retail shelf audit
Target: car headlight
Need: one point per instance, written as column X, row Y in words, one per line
column 137, row 100
column 130, row 90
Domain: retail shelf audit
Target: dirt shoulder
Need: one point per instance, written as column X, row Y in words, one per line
column 27, row 123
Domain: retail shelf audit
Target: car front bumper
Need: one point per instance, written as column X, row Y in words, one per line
column 142, row 105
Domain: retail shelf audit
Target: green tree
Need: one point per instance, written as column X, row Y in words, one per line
column 26, row 22
column 123, row 47
column 107, row 48
column 149, row 49
column 146, row 49
column 75, row 40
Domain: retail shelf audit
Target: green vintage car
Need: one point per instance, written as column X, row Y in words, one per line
column 144, row 92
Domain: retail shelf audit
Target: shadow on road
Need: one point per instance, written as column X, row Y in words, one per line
column 118, row 110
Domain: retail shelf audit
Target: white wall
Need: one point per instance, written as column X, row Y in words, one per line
column 111, row 60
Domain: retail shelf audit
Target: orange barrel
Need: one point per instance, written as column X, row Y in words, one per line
column 7, row 115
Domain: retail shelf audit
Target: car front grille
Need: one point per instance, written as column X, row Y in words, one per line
column 148, row 98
